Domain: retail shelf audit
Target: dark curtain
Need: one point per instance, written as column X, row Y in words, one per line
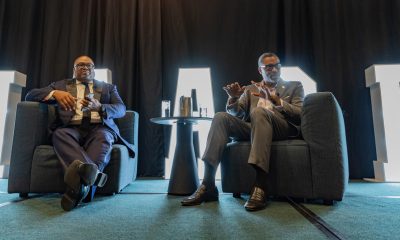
column 42, row 39
column 144, row 42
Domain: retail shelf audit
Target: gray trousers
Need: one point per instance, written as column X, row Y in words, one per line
column 264, row 127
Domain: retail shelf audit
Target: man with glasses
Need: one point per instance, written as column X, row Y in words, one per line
column 84, row 130
column 261, row 112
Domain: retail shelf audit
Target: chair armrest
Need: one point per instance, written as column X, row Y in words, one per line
column 31, row 125
column 128, row 127
column 323, row 129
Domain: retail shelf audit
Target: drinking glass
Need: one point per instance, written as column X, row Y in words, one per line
column 203, row 111
column 166, row 108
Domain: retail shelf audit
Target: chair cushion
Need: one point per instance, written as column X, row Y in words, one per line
column 47, row 171
column 290, row 169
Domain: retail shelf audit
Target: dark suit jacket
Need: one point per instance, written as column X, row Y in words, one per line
column 291, row 92
column 112, row 104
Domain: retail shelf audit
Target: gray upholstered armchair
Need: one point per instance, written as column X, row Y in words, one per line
column 34, row 167
column 313, row 167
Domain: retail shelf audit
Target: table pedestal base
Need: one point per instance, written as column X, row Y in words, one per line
column 184, row 179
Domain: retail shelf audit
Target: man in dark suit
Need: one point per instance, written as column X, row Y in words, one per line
column 264, row 111
column 83, row 131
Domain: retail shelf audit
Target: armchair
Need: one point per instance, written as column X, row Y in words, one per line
column 314, row 166
column 34, row 166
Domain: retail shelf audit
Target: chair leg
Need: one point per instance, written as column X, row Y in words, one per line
column 23, row 195
column 236, row 195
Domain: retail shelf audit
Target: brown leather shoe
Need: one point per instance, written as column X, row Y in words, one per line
column 257, row 200
column 202, row 194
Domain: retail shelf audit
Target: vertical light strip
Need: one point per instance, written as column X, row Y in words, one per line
column 188, row 79
column 11, row 84
column 383, row 81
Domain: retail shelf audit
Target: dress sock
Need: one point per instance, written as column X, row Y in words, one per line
column 261, row 178
column 209, row 175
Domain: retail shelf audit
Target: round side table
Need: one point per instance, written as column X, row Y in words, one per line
column 184, row 179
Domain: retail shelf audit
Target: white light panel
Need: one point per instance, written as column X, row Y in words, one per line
column 103, row 74
column 11, row 84
column 188, row 79
column 296, row 74
column 383, row 81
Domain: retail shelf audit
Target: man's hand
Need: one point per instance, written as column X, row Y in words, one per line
column 91, row 104
column 274, row 98
column 65, row 100
column 234, row 90
column 267, row 93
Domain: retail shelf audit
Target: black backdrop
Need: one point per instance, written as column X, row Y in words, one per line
column 144, row 42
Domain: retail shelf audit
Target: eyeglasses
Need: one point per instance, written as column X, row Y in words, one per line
column 270, row 67
column 84, row 65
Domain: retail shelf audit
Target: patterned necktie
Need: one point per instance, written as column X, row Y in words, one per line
column 85, row 124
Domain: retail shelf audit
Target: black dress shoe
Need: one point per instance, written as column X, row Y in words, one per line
column 90, row 174
column 72, row 197
column 75, row 189
column 202, row 194
column 90, row 195
column 257, row 200
column 79, row 178
column 92, row 177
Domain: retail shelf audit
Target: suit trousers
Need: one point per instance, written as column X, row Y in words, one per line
column 264, row 126
column 92, row 145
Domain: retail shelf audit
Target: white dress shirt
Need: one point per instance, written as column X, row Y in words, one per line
column 80, row 94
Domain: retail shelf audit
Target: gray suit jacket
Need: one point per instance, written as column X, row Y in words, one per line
column 291, row 92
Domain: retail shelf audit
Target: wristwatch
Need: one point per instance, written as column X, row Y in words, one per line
column 103, row 112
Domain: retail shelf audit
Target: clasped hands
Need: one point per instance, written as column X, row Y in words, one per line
column 267, row 92
column 68, row 102
column 234, row 90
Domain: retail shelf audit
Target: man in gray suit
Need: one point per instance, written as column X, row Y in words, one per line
column 261, row 112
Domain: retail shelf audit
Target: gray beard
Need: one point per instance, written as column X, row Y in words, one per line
column 270, row 80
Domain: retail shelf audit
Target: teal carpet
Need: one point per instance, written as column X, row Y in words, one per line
column 5, row 198
column 153, row 186
column 144, row 211
column 369, row 211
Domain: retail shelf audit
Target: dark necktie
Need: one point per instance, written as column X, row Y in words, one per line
column 85, row 124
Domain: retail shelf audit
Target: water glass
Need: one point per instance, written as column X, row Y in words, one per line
column 203, row 111
column 166, row 108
